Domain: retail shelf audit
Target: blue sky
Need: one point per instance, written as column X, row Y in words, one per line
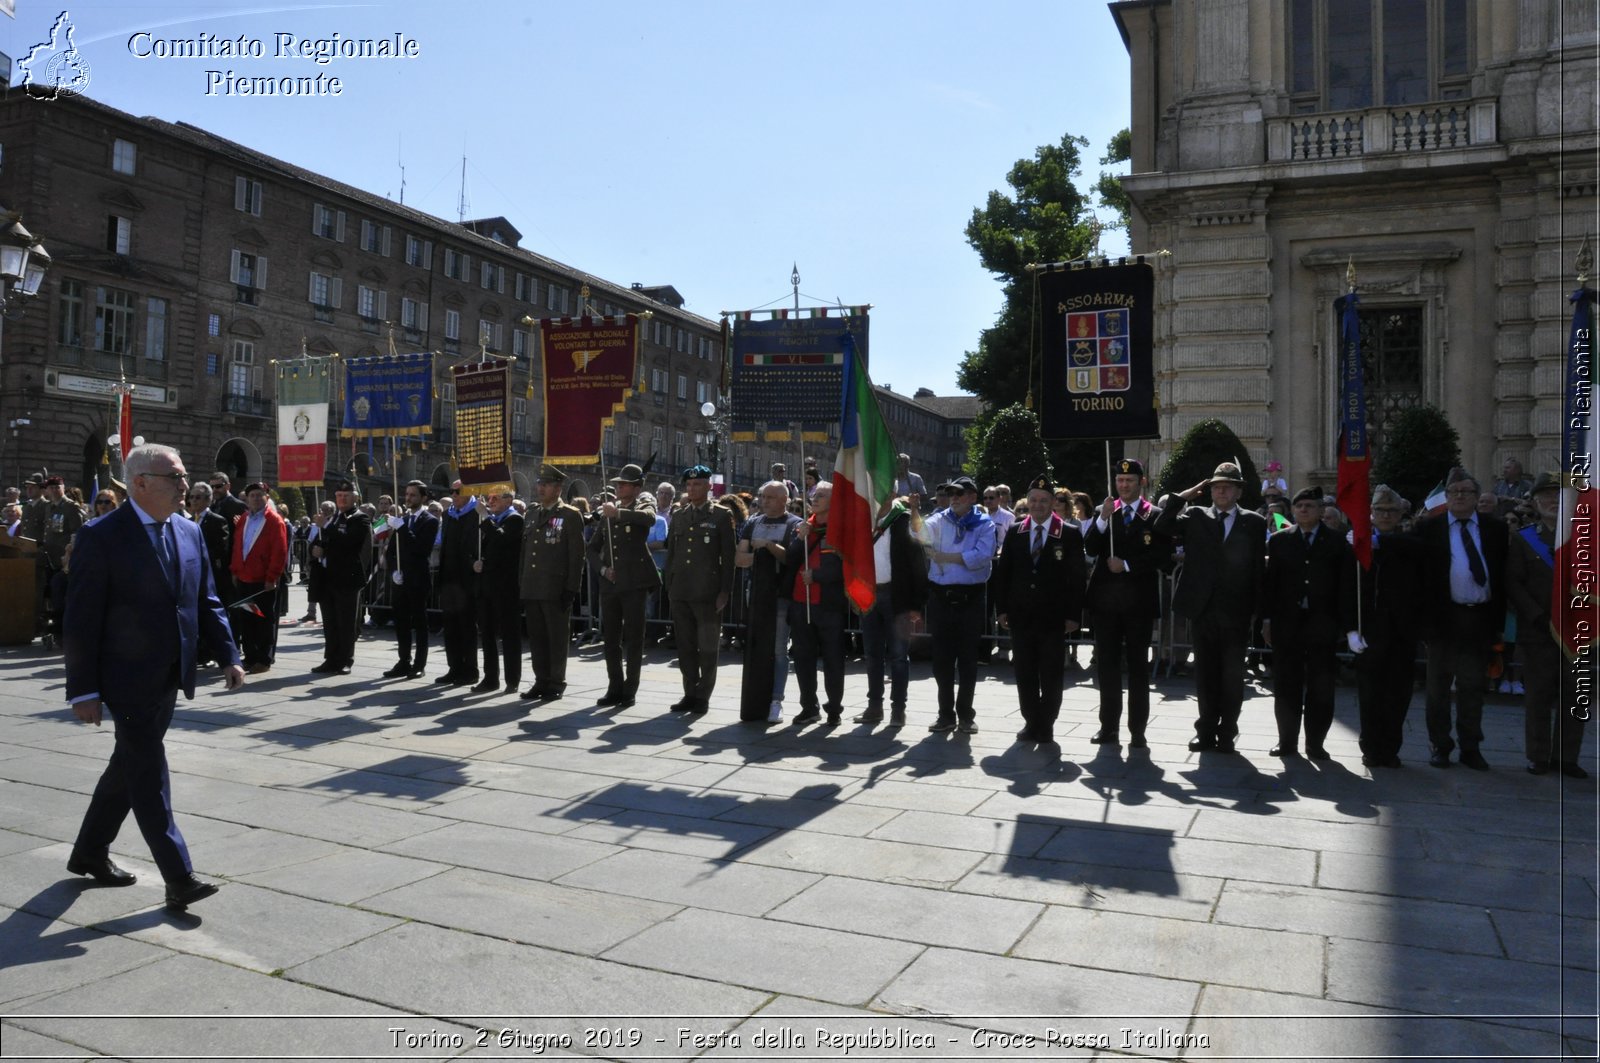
column 702, row 144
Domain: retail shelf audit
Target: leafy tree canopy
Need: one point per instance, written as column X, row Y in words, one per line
column 1419, row 446
column 1196, row 457
column 1007, row 449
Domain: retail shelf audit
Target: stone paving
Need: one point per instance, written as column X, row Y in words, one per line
column 413, row 872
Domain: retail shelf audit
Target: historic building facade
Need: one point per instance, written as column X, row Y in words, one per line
column 1446, row 147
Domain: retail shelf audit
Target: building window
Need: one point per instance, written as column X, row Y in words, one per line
column 519, row 418
column 683, row 387
column 660, row 381
column 119, row 234
column 678, row 457
column 213, row 363
column 419, row 252
column 70, row 331
column 553, row 297
column 702, row 391
column 324, row 291
column 452, row 324
column 633, row 440
column 524, row 288
column 248, row 272
column 247, row 195
column 123, row 156
column 658, row 440
column 113, row 320
column 1392, row 359
column 655, row 332
column 414, row 315
column 492, row 277
column 1349, row 55
column 455, row 264
column 214, row 324
column 371, row 304
column 327, row 222
column 374, row 237
column 489, row 335
column 609, row 443
column 519, row 342
column 155, row 329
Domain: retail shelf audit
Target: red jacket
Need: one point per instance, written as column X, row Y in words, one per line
column 269, row 554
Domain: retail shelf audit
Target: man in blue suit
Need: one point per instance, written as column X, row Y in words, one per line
column 140, row 601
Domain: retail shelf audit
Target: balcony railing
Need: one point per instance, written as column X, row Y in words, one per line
column 249, row 405
column 108, row 364
column 1443, row 126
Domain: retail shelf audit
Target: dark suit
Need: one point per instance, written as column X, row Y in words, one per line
column 1038, row 594
column 1123, row 607
column 217, row 534
column 499, row 597
column 458, row 591
column 1460, row 636
column 346, row 544
column 1217, row 590
column 1306, row 599
column 1551, row 681
column 1385, row 672
column 133, row 639
column 413, row 546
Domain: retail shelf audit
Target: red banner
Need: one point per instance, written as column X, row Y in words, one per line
column 590, row 365
column 483, row 424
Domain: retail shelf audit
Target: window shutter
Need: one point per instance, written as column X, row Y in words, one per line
column 338, row 227
column 383, row 306
column 316, row 218
column 233, row 268
column 311, row 288
column 422, row 317
column 427, row 254
column 500, row 279
column 385, row 243
column 261, row 272
column 241, row 190
column 334, row 292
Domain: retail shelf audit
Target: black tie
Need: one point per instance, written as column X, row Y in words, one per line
column 1480, row 575
column 1038, row 542
column 1226, row 517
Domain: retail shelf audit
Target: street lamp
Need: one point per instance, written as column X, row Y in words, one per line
column 23, row 261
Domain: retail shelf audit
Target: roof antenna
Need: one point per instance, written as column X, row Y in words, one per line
column 461, row 204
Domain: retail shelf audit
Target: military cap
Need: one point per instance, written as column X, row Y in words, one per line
column 1041, row 483
column 549, row 474
column 1307, row 494
column 1547, row 481
column 1129, row 467
column 344, row 485
column 962, row 485
column 55, row 481
column 37, row 479
column 1227, row 473
column 697, row 472
column 629, row 474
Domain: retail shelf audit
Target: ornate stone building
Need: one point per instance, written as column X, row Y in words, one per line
column 1447, row 147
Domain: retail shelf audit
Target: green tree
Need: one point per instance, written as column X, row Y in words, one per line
column 1109, row 188
column 1007, row 449
column 1419, row 446
column 1196, row 457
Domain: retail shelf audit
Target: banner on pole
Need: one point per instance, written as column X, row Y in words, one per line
column 1354, row 482
column 1098, row 372
column 304, row 389
column 483, row 424
column 590, row 366
column 789, row 371
column 388, row 395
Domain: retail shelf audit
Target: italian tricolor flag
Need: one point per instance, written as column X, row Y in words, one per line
column 863, row 479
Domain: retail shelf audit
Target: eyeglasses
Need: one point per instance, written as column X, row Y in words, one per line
column 220, row 488
column 987, row 498
column 105, row 501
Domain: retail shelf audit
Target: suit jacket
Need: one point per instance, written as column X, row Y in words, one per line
column 125, row 628
column 346, row 543
column 1137, row 591
column 1219, row 576
column 1529, row 582
column 1391, row 590
column 218, row 536
column 552, row 553
column 700, row 545
column 460, row 547
column 827, row 571
column 414, row 547
column 1047, row 590
column 268, row 554
column 1433, row 534
column 908, row 568
column 619, row 543
column 502, row 554
column 1319, row 575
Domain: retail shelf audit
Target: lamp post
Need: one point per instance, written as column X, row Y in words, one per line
column 716, row 414
column 23, row 261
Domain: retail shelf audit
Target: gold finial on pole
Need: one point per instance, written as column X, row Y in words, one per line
column 1350, row 273
column 1585, row 262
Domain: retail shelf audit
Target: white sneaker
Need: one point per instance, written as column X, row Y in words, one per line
column 775, row 713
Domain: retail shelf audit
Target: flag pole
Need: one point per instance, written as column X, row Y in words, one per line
column 800, row 437
column 1344, row 352
column 1111, row 491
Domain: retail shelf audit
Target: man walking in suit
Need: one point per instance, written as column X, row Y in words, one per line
column 1038, row 584
column 1464, row 611
column 1386, row 645
column 699, row 581
column 1306, row 610
column 551, row 573
column 1124, row 598
column 499, row 599
column 627, row 576
column 140, row 602
column 413, row 546
column 345, row 543
column 260, row 552
column 1224, row 551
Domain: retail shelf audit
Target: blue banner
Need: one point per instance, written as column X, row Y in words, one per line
column 789, row 372
column 389, row 395
column 1352, row 381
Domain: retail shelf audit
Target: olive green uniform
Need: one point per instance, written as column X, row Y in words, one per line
column 700, row 545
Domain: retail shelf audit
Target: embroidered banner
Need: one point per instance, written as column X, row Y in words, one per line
column 1098, row 372
column 590, row 366
column 304, row 389
column 789, row 371
column 388, row 395
column 483, row 424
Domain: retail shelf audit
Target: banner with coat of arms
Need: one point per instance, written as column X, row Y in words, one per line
column 304, row 388
column 590, row 367
column 1098, row 374
column 483, row 427
column 388, row 395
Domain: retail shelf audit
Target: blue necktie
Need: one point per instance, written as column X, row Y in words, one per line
column 168, row 555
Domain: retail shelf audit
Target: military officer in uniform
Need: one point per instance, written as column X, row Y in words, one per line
column 1124, row 599
column 627, row 576
column 1038, row 588
column 499, row 600
column 552, row 572
column 699, row 581
column 346, row 545
column 413, row 547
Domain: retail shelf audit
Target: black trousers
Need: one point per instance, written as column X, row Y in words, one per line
column 136, row 780
column 1038, row 660
column 460, row 630
column 955, row 623
column 410, row 600
column 698, row 629
column 1553, row 719
column 500, row 630
column 1384, row 677
column 341, row 618
column 1304, row 670
column 622, row 626
column 257, row 633
column 1122, row 646
column 549, row 636
column 1219, row 645
column 1459, row 654
column 820, row 639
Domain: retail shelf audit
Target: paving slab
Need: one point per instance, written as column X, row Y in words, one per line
column 690, row 835
column 1442, row 980
column 865, row 858
column 742, row 889
column 1341, row 913
column 975, row 832
column 1160, row 851
column 509, row 851
column 908, row 913
column 44, row 955
column 1097, row 886
column 346, row 876
column 822, row 813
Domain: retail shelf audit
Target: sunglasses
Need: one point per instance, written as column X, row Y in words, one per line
column 105, row 501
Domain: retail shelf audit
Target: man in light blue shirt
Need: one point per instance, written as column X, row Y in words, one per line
column 960, row 554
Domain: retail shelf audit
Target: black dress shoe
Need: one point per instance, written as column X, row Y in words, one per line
column 186, row 891
column 1223, row 745
column 344, row 669
column 417, row 673
column 682, row 705
column 1372, row 760
column 1573, row 770
column 1474, row 760
column 485, row 686
column 101, row 869
column 1535, row 767
column 1440, row 758
column 553, row 694
column 810, row 714
column 1138, row 742
column 834, row 718
column 1392, row 762
column 1201, row 745
column 325, row 668
column 609, row 698
column 1283, row 750
column 700, row 707
column 399, row 671
column 1106, row 738
column 1317, row 753
column 942, row 725
column 448, row 677
column 534, row 693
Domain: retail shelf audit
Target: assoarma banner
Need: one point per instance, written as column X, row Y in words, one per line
column 590, row 365
column 483, row 427
column 304, row 387
column 388, row 395
column 1098, row 373
column 789, row 371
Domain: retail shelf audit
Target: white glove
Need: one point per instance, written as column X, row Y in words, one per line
column 398, row 577
column 1357, row 643
column 396, row 523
